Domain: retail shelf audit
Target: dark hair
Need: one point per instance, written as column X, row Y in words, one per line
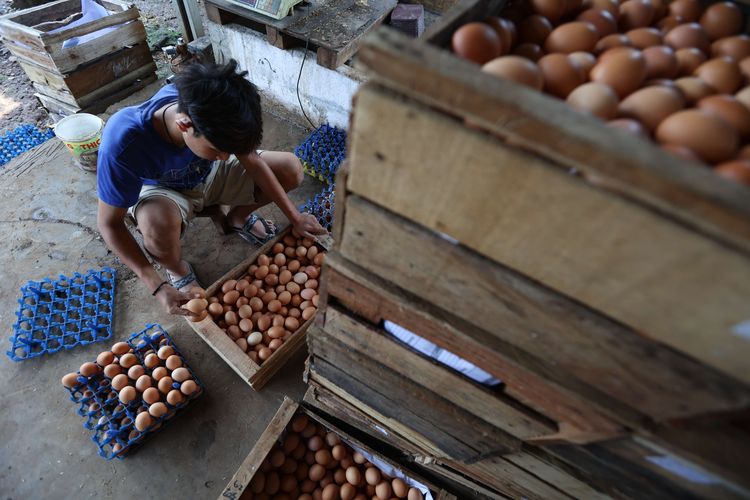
column 223, row 105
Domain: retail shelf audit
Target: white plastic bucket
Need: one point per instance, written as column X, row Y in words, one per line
column 81, row 133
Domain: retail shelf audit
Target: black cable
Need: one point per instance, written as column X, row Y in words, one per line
column 298, row 79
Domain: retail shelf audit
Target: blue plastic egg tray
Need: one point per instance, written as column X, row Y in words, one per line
column 321, row 206
column 21, row 139
column 322, row 153
column 111, row 422
column 63, row 314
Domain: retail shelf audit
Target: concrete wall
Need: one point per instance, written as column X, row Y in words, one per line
column 326, row 94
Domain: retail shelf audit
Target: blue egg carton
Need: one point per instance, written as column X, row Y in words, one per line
column 322, row 153
column 321, row 206
column 63, row 314
column 111, row 422
column 21, row 139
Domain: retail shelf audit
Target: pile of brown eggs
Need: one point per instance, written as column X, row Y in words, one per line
column 676, row 72
column 279, row 293
column 311, row 463
column 157, row 381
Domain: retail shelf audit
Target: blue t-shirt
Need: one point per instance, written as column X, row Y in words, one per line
column 132, row 154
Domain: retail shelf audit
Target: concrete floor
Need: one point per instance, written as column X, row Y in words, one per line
column 48, row 224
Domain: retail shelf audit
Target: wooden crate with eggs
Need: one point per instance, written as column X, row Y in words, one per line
column 256, row 315
column 600, row 277
column 300, row 455
column 109, row 60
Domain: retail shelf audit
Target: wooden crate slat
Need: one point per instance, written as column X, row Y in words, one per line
column 377, row 300
column 226, row 348
column 56, row 40
column 20, row 34
column 617, row 369
column 452, row 431
column 45, row 12
column 464, row 394
column 462, row 12
column 31, row 55
column 668, row 282
column 539, row 123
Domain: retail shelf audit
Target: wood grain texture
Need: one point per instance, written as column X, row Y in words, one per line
column 612, row 366
column 665, row 281
column 115, row 18
column 618, row 163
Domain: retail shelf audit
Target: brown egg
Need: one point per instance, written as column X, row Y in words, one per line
column 534, row 29
column 681, row 151
column 353, row 475
column 561, row 76
column 729, row 109
column 105, row 358
column 661, row 62
column 188, row 387
column 143, row 421
column 595, row 98
column 722, row 19
column 372, row 475
column 710, row 137
column 228, row 285
column 688, row 35
column 743, row 96
column 584, row 60
column 331, row 492
column 164, row 385
column 514, row 68
column 693, row 88
column 400, row 488
column 143, row 383
column 604, row 22
column 737, row 170
column 629, row 125
column 611, row 6
column 158, row 409
column 159, row 372
column 721, row 73
column 70, row 380
column 120, row 348
column 414, row 494
column 127, row 394
column 610, row 42
column 316, row 472
column 530, row 51
column 669, row 23
column 642, row 38
column 621, row 68
column 111, row 370
column 89, row 369
column 551, row 9
column 151, row 395
column 572, row 37
column 651, row 105
column 476, row 42
column 506, row 31
column 635, row 14
column 120, row 381
column 164, row 352
column 180, row 374
column 383, row 490
column 736, row 47
column 689, row 10
column 688, row 60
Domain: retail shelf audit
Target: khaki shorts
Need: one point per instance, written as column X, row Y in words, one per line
column 228, row 183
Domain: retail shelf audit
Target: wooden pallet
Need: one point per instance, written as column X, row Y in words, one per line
column 275, row 430
column 89, row 76
column 251, row 372
column 335, row 28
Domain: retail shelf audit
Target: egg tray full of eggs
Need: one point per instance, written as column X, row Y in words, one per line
column 130, row 391
column 255, row 316
column 675, row 72
column 310, row 460
column 63, row 313
column 322, row 152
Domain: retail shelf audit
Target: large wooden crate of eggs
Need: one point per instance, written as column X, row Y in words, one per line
column 598, row 276
column 302, row 456
column 110, row 60
column 256, row 315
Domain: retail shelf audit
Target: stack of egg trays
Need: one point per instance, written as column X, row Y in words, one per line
column 63, row 313
column 21, row 139
column 113, row 423
column 322, row 153
column 321, row 206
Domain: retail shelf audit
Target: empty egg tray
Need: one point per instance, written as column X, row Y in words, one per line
column 113, row 423
column 63, row 314
column 321, row 206
column 21, row 139
column 322, row 153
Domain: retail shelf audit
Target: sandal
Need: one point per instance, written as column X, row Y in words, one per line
column 185, row 283
column 246, row 231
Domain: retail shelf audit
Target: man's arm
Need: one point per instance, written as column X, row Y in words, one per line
column 305, row 224
column 111, row 224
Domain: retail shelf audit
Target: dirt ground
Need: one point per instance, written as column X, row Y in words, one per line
column 18, row 106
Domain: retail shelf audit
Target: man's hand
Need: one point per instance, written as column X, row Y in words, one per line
column 308, row 226
column 172, row 300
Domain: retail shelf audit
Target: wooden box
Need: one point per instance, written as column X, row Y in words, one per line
column 88, row 76
column 238, row 485
column 251, row 372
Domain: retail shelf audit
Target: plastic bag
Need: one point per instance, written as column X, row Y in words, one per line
column 91, row 12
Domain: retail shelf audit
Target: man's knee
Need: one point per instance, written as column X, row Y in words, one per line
column 291, row 174
column 159, row 220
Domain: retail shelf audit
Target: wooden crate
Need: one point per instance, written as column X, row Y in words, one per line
column 251, row 372
column 88, row 76
column 274, row 431
column 609, row 220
